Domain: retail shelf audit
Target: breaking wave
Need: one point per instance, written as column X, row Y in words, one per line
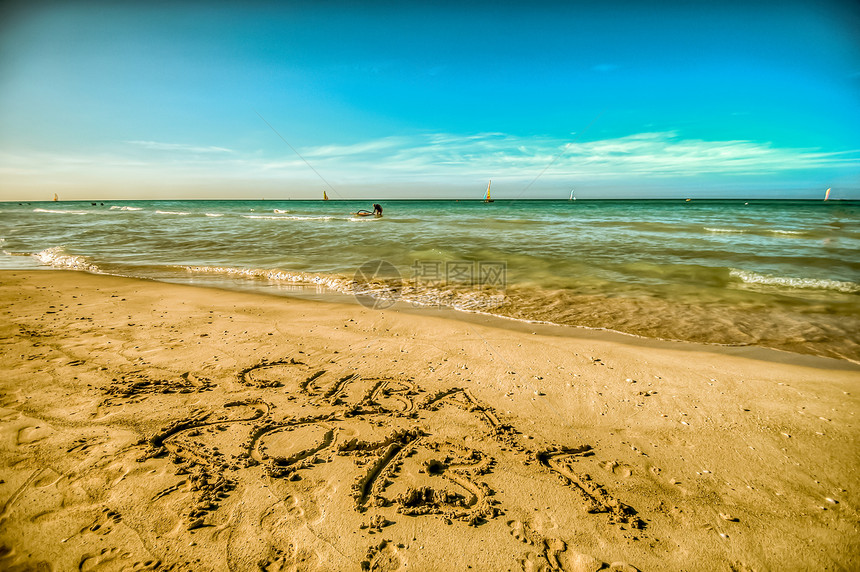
column 292, row 217
column 59, row 211
column 464, row 299
column 57, row 257
column 789, row 282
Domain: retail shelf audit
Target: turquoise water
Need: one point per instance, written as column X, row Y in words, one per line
column 782, row 274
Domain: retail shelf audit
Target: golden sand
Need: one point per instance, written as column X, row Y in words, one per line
column 155, row 426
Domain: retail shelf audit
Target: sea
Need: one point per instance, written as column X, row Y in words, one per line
column 776, row 274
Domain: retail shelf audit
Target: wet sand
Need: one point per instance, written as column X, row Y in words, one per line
column 146, row 425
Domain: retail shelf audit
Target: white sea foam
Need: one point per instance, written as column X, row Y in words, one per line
column 726, row 230
column 58, row 211
column 214, row 214
column 172, row 212
column 271, row 217
column 788, row 282
column 123, row 208
column 788, row 232
column 332, row 282
column 280, row 211
column 464, row 300
column 57, row 258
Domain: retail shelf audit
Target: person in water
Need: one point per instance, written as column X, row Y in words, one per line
column 377, row 211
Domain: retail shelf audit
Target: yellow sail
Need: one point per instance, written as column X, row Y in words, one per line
column 488, row 199
column 325, row 196
column 827, row 194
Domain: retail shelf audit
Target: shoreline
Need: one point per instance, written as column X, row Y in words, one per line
column 307, row 292
column 779, row 275
column 148, row 422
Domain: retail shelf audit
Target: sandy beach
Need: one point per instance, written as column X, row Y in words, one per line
column 146, row 425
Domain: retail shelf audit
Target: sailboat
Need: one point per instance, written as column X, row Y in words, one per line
column 572, row 195
column 325, row 196
column 488, row 199
column 827, row 194
column 56, row 198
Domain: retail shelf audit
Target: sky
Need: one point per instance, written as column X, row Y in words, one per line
column 366, row 100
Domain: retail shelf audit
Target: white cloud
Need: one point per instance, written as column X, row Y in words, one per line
column 363, row 148
column 651, row 154
column 440, row 159
column 181, row 147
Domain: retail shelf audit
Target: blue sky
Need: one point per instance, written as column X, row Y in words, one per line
column 110, row 100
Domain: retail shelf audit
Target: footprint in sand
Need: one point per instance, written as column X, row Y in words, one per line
column 549, row 550
column 11, row 561
column 278, row 516
column 617, row 468
column 8, row 415
column 276, row 564
column 100, row 561
column 147, row 565
column 535, row 562
column 293, row 506
column 103, row 524
column 577, row 562
column 10, row 399
column 47, row 478
column 82, row 445
column 522, row 532
column 384, row 557
column 294, row 558
column 32, row 433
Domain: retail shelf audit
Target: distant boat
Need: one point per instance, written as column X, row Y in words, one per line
column 572, row 196
column 688, row 200
column 826, row 194
column 325, row 196
column 488, row 199
column 56, row 198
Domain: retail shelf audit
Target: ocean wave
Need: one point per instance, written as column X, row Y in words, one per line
column 57, row 211
column 789, row 282
column 757, row 231
column 214, row 214
column 788, row 232
column 362, row 218
column 122, row 208
column 271, row 217
column 172, row 212
column 333, row 282
column 464, row 299
column 58, row 258
column 293, row 217
column 280, row 211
